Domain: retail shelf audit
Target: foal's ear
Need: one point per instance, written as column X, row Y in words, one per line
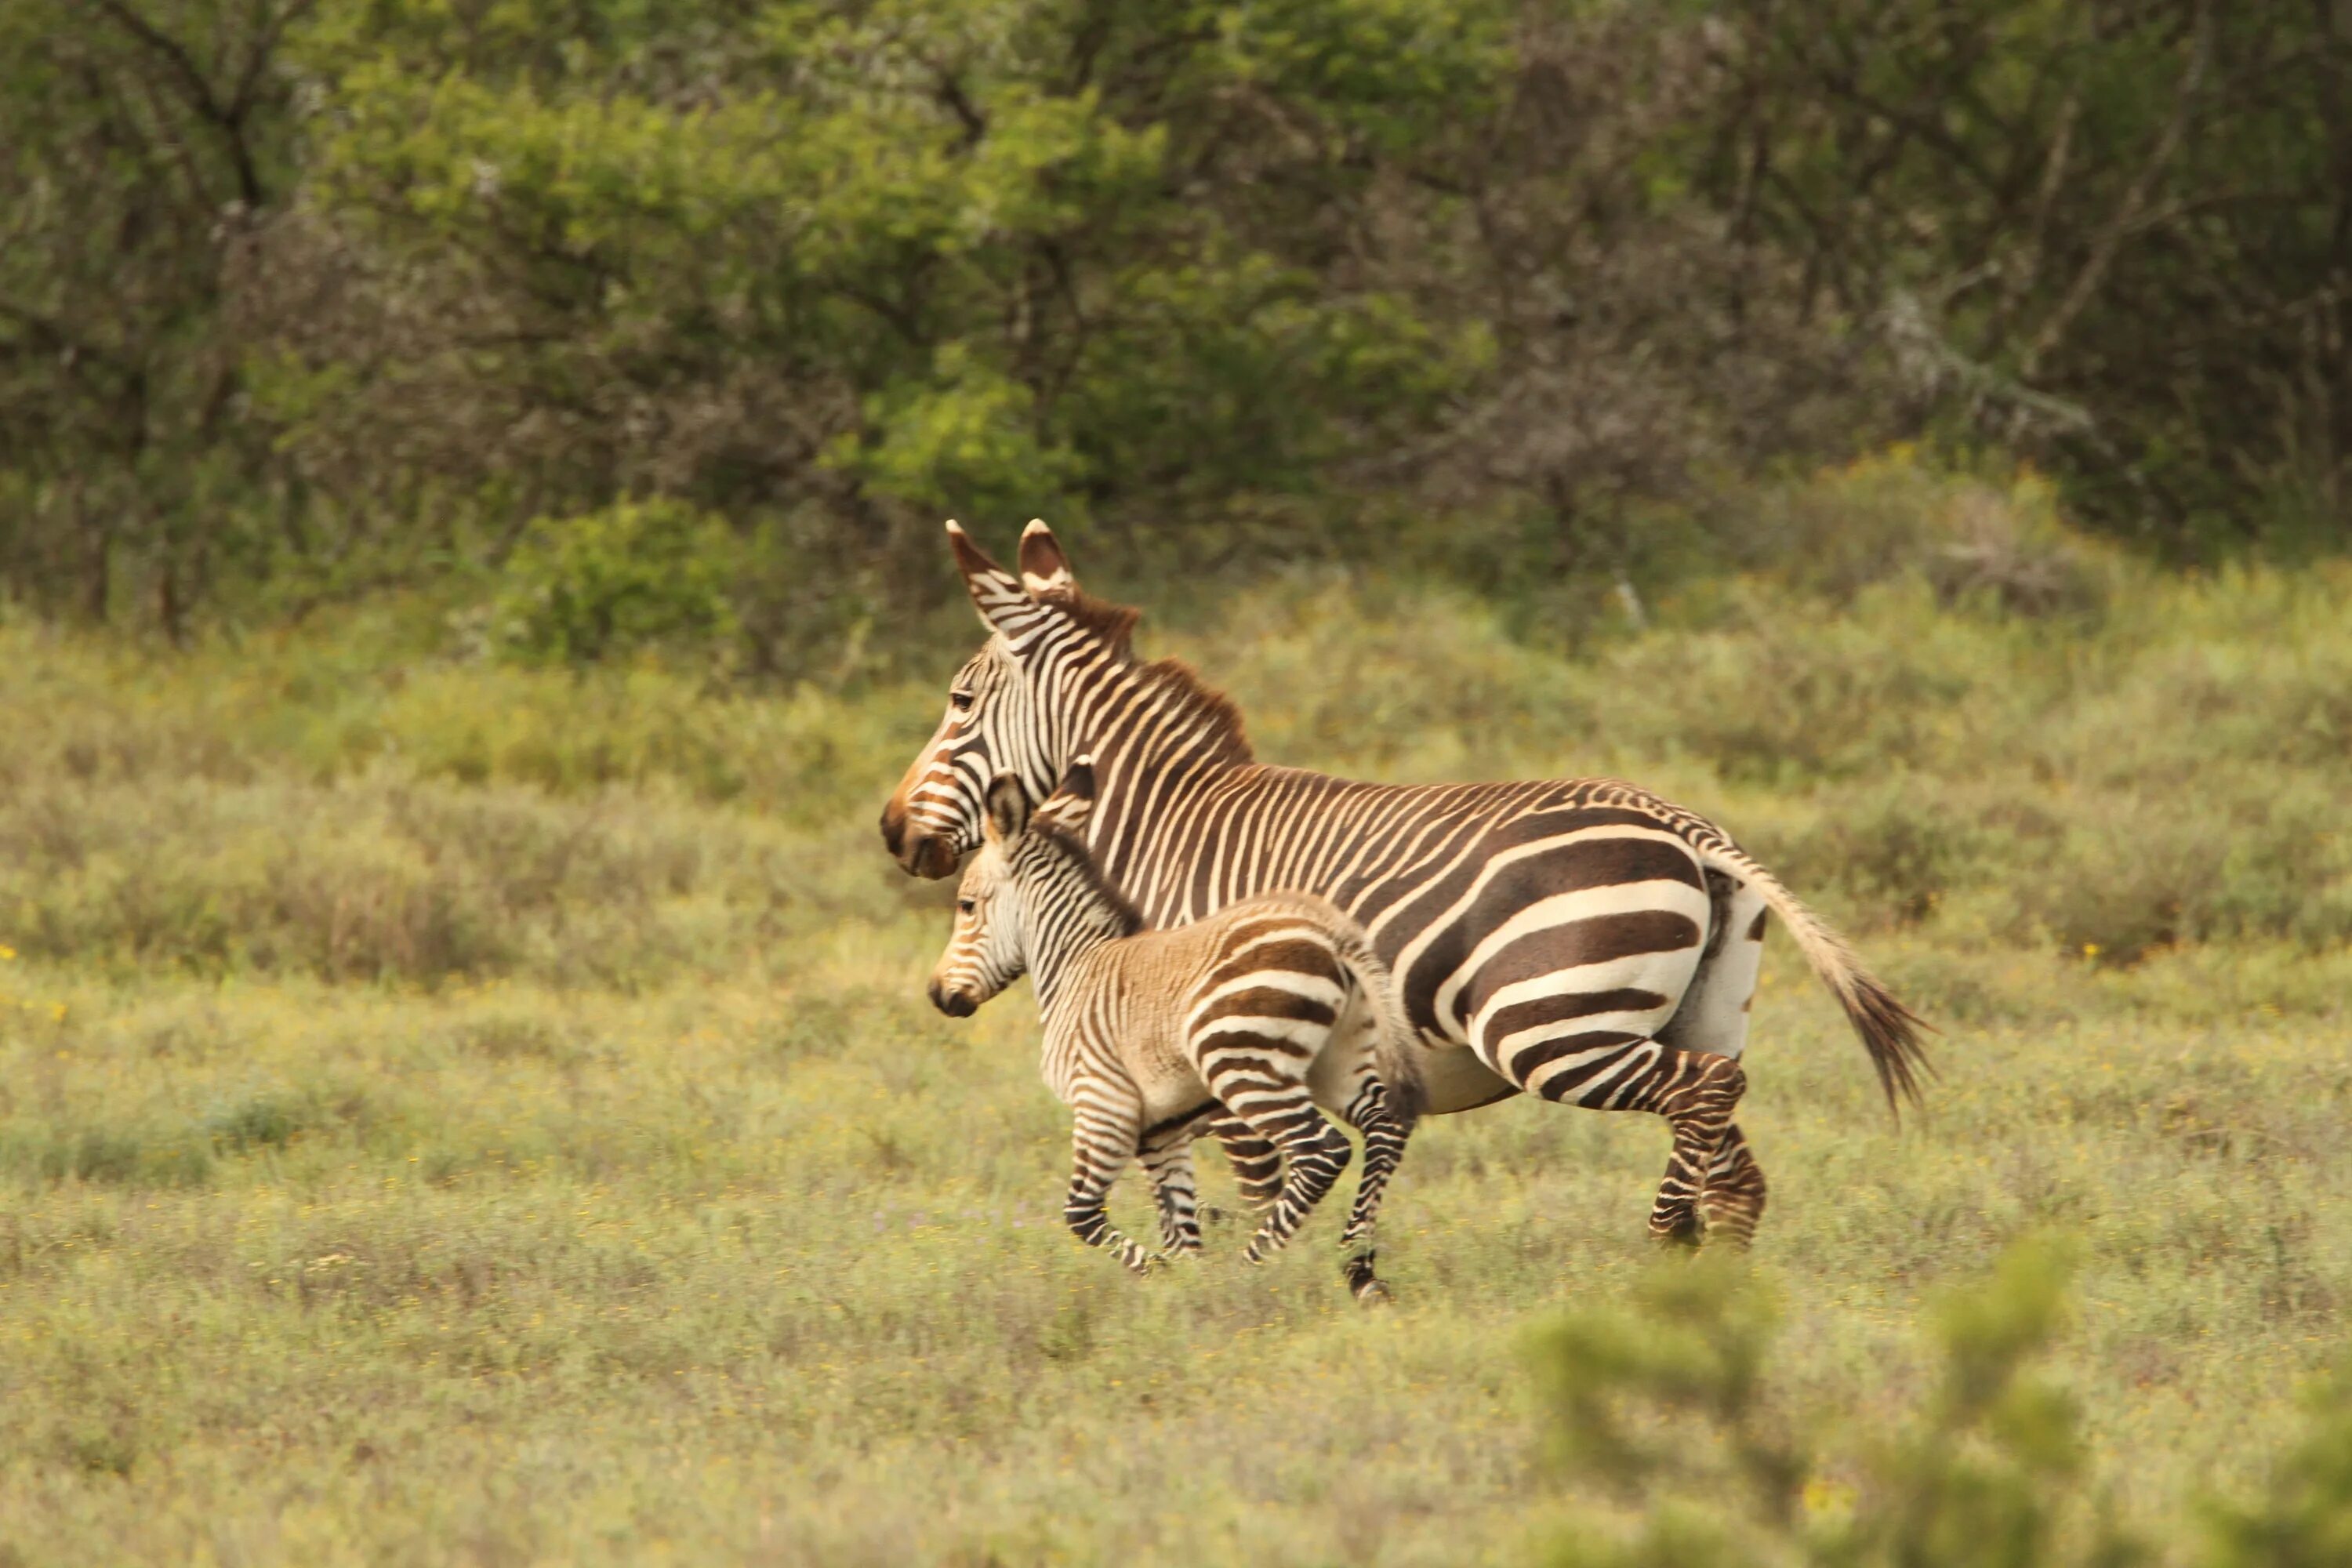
column 1008, row 806
column 1075, row 798
column 1044, row 570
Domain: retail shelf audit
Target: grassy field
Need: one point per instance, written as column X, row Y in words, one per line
column 455, row 1114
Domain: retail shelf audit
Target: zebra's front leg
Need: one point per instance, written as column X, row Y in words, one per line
column 1170, row 1164
column 1385, row 1134
column 1100, row 1147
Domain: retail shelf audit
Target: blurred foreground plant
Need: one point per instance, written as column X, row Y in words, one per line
column 1668, row 1404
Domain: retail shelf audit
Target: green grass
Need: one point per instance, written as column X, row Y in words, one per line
column 458, row 1114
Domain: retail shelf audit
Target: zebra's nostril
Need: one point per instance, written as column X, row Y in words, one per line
column 894, row 828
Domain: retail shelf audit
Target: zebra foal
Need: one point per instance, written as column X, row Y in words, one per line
column 1270, row 1012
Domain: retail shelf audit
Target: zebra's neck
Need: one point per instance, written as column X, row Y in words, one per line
column 1153, row 741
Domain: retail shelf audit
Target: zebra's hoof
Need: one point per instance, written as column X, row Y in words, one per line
column 1372, row 1293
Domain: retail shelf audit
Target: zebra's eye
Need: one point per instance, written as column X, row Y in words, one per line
column 965, row 905
column 959, row 701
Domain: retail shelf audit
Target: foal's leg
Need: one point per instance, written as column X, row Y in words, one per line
column 1261, row 1078
column 1257, row 1164
column 1100, row 1147
column 1170, row 1164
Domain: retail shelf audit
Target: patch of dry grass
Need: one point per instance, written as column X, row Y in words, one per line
column 550, row 1157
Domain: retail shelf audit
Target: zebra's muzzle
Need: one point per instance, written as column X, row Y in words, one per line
column 954, row 1004
column 924, row 854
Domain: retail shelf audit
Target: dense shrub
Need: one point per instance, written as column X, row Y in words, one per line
column 578, row 589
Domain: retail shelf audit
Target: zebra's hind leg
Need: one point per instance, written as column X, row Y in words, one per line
column 1100, row 1148
column 1385, row 1134
column 1616, row 1069
column 1170, row 1164
column 1733, row 1200
column 1698, row 1106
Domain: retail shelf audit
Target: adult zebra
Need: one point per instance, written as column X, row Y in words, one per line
column 1578, row 939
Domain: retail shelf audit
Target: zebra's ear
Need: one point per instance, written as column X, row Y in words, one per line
column 1004, row 605
column 1008, row 806
column 1044, row 570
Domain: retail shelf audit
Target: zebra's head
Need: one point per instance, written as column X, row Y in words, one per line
column 1030, row 883
column 1005, row 712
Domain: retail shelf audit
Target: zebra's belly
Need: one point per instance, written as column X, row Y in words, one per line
column 1454, row 1079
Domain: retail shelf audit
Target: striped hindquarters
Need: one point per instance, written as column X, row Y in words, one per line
column 1264, row 1005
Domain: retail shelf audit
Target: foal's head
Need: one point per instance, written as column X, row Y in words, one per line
column 1031, row 883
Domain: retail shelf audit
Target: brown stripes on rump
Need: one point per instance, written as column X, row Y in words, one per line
column 1563, row 868
column 1577, row 863
column 1538, row 1011
column 1526, row 1061
column 1597, row 939
column 1267, row 1002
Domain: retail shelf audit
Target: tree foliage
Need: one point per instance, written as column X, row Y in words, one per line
column 306, row 295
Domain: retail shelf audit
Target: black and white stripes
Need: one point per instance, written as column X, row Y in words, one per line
column 1582, row 940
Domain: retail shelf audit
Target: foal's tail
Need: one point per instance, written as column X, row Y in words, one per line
column 1396, row 1049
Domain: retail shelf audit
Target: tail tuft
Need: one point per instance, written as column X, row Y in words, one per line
column 1890, row 1033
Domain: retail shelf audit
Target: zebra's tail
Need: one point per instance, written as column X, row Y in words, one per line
column 1890, row 1031
column 1396, row 1053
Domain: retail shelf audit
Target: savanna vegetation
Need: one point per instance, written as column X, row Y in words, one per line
column 462, row 1110
column 469, row 483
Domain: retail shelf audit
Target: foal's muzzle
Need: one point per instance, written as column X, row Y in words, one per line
column 954, row 1004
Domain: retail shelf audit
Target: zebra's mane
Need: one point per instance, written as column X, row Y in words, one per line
column 1192, row 699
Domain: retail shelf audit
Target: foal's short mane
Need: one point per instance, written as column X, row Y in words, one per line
column 1066, row 843
column 1192, row 697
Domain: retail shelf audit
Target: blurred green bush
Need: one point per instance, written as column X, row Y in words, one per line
column 1667, row 1404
